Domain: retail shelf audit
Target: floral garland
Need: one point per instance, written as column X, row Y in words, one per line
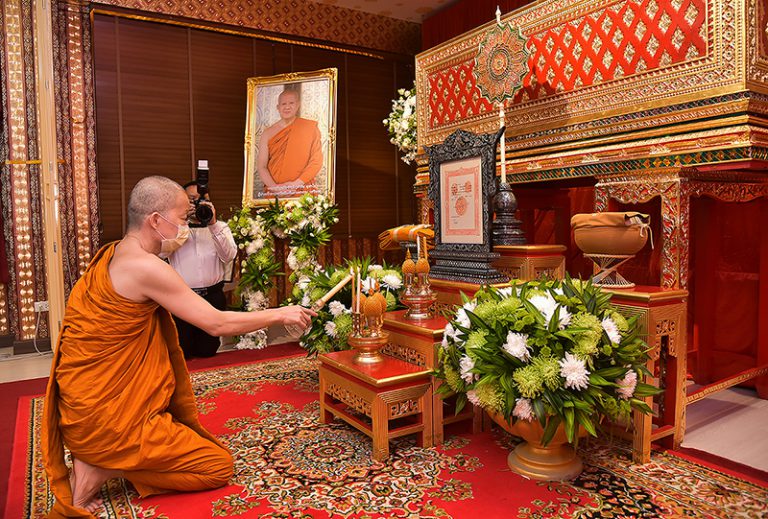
column 331, row 327
column 305, row 222
column 401, row 124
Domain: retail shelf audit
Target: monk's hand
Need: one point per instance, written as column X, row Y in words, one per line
column 297, row 316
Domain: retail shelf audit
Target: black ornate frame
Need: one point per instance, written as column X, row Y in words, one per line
column 468, row 262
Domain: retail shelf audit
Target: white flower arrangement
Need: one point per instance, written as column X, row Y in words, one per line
column 305, row 222
column 401, row 124
column 552, row 351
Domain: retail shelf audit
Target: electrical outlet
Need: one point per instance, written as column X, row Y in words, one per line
column 41, row 306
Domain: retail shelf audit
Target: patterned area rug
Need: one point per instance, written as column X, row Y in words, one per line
column 289, row 466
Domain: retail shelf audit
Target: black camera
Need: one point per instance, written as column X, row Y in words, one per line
column 203, row 211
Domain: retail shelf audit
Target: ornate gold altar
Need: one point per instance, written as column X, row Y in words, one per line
column 642, row 100
column 650, row 98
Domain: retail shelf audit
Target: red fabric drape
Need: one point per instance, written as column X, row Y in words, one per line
column 461, row 17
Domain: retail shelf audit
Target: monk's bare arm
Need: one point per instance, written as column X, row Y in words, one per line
column 263, row 159
column 159, row 282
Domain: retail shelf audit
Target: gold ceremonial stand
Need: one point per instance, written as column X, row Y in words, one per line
column 662, row 320
column 416, row 341
column 520, row 262
column 528, row 262
column 385, row 399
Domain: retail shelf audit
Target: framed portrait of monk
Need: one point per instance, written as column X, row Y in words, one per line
column 290, row 136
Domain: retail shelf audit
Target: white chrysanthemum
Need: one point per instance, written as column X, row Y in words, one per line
column 303, row 282
column 293, row 263
column 523, row 409
column 368, row 285
column 330, row 329
column 257, row 301
column 337, row 308
column 507, row 292
column 444, row 342
column 609, row 325
column 449, row 331
column 627, row 385
column 391, row 281
column 461, row 315
column 547, row 306
column 277, row 231
column 251, row 248
column 517, row 346
column 466, row 364
column 574, row 371
column 373, row 267
column 258, row 243
column 473, row 399
column 306, row 300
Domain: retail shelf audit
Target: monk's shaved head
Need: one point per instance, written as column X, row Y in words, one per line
column 149, row 195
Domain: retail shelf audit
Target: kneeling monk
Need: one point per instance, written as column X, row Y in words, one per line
column 119, row 396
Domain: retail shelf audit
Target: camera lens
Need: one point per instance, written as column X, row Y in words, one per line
column 203, row 213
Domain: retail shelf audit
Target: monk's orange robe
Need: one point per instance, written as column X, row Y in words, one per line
column 119, row 397
column 295, row 152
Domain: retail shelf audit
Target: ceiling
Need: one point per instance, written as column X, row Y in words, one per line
column 411, row 10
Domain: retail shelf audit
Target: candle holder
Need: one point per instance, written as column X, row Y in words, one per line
column 417, row 294
column 367, row 336
column 506, row 228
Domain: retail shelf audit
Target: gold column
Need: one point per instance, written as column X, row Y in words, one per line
column 49, row 167
column 19, row 170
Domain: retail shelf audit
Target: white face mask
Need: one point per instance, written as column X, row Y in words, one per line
column 170, row 245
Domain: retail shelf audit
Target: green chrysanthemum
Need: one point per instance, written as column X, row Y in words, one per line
column 338, row 276
column 303, row 255
column 586, row 341
column 476, row 339
column 452, row 378
column 316, row 294
column 487, row 312
column 491, row 396
column 529, row 381
column 621, row 322
column 343, row 326
column 391, row 300
column 549, row 371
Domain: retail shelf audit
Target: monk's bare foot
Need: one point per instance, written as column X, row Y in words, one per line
column 86, row 481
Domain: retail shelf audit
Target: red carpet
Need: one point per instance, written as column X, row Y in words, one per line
column 288, row 465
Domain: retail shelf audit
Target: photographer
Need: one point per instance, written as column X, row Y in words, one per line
column 204, row 262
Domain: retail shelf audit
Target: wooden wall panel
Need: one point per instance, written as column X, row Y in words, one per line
column 111, row 191
column 154, row 95
column 166, row 98
column 218, row 97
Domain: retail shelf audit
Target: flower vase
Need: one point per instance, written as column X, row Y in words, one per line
column 556, row 461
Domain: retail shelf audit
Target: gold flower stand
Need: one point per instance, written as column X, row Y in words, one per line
column 385, row 400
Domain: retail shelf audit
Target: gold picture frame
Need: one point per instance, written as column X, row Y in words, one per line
column 290, row 136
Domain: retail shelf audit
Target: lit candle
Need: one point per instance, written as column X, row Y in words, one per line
column 498, row 15
column 426, row 249
column 359, row 290
column 503, row 145
column 418, row 247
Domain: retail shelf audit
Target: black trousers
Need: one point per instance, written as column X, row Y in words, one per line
column 194, row 341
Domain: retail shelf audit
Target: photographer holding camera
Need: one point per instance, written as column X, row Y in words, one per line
column 204, row 262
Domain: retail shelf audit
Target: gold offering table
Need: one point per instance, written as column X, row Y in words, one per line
column 385, row 400
column 417, row 342
column 662, row 321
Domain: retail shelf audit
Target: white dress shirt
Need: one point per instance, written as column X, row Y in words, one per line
column 206, row 257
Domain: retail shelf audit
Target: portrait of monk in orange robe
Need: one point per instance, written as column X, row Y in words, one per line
column 290, row 152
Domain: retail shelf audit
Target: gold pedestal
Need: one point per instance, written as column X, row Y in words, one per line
column 420, row 306
column 557, row 461
column 551, row 463
column 368, row 349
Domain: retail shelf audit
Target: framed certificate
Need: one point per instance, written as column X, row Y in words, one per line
column 462, row 181
column 461, row 218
